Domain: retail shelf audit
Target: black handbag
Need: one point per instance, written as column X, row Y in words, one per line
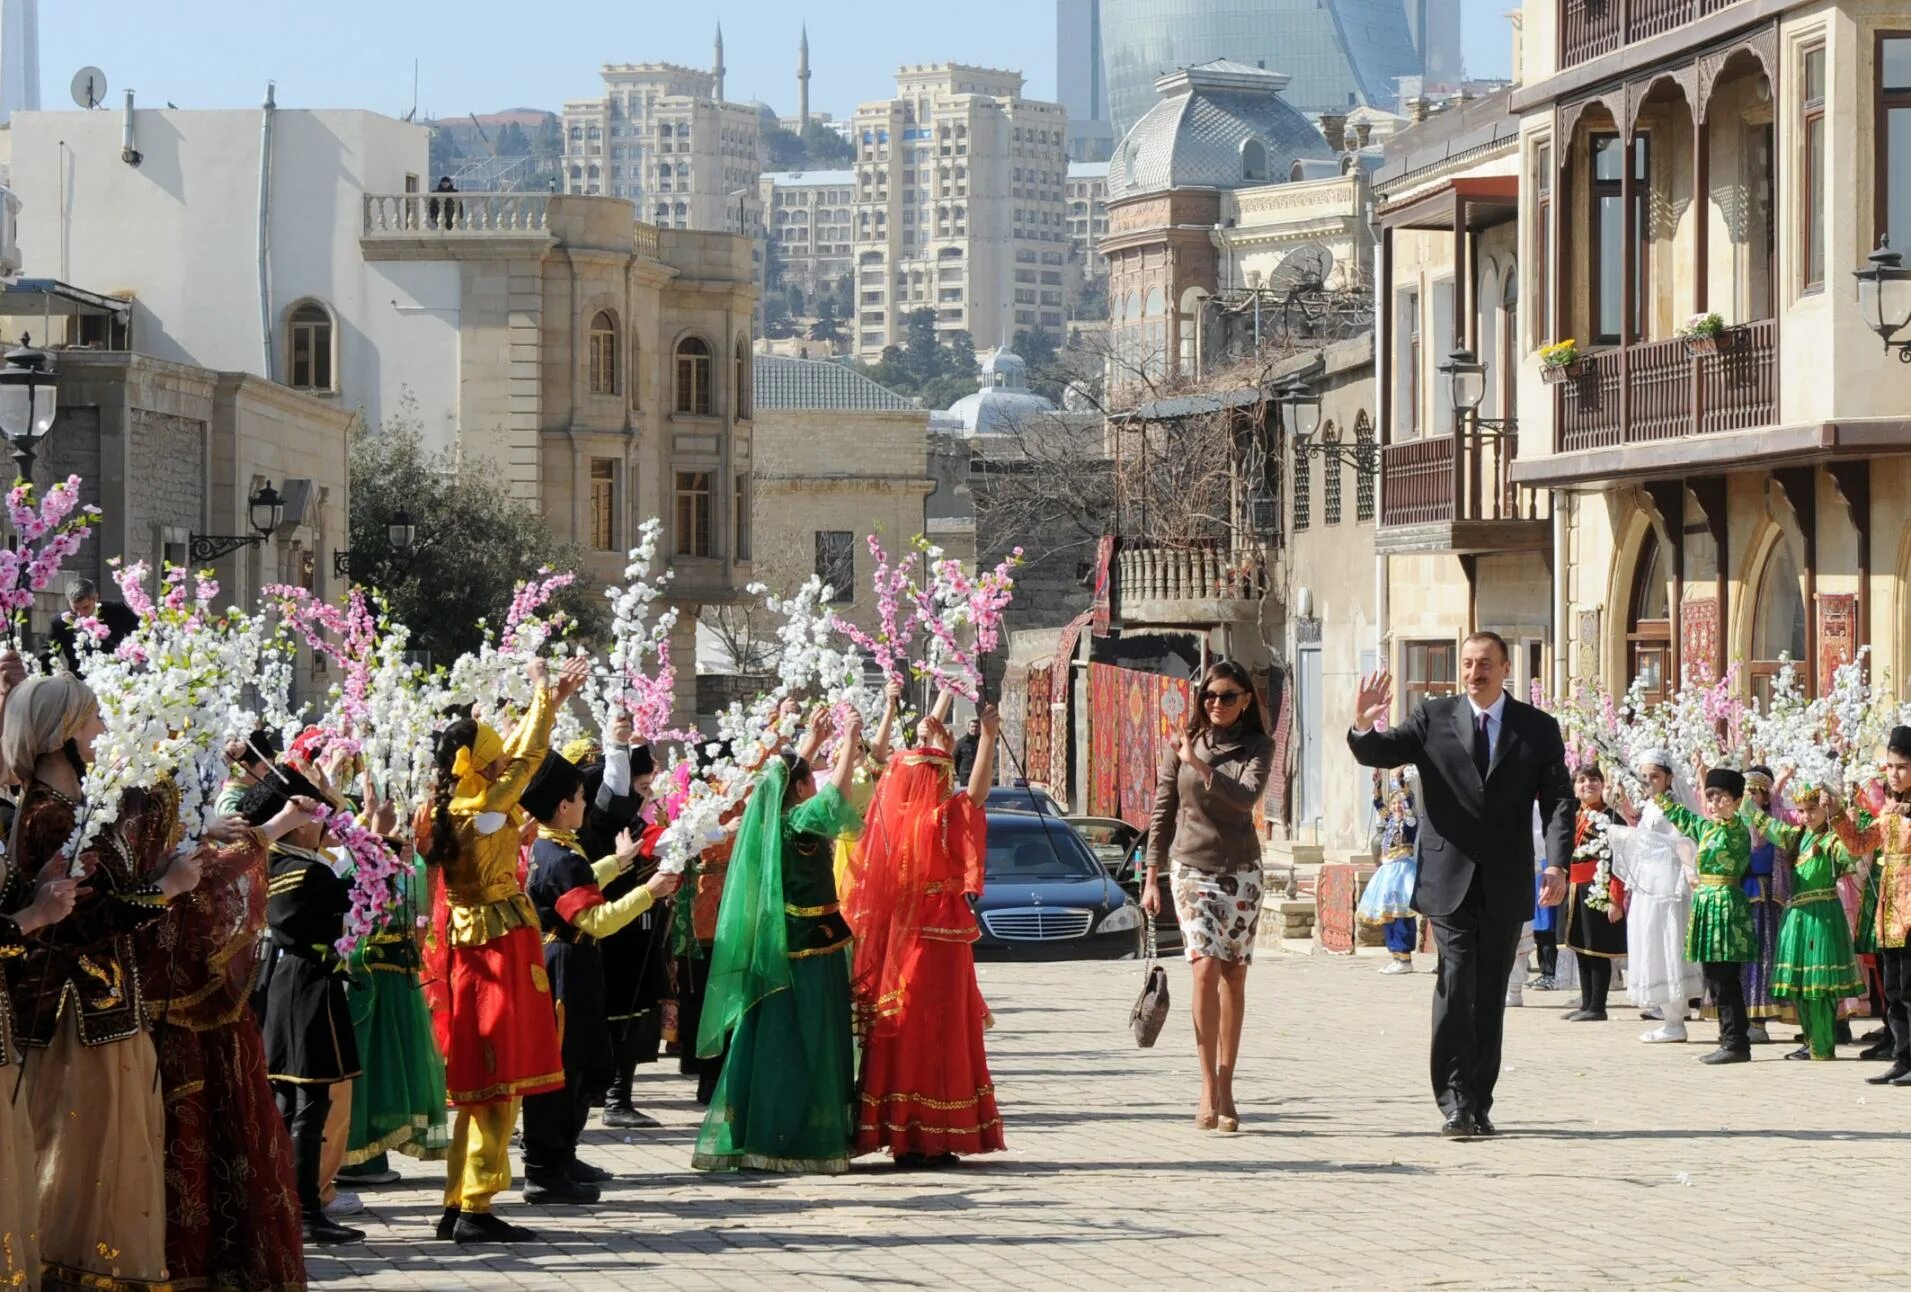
column 1150, row 1013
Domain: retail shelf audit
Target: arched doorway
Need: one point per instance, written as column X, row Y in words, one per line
column 1649, row 624
column 1779, row 624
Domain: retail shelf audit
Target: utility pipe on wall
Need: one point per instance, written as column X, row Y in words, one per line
column 265, row 231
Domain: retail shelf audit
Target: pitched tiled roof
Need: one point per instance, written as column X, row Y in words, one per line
column 817, row 383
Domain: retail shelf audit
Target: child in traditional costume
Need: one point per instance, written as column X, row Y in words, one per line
column 927, row 1095
column 779, row 978
column 309, row 1043
column 1387, row 900
column 1596, row 904
column 1888, row 922
column 568, row 891
column 1719, row 937
column 1814, row 966
column 1766, row 885
column 494, row 1014
column 1650, row 857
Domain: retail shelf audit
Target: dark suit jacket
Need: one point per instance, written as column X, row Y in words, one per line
column 1466, row 825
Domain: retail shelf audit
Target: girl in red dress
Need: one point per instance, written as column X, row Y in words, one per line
column 926, row 1092
column 490, row 997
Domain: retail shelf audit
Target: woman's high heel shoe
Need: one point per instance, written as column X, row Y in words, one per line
column 1205, row 1120
column 1227, row 1124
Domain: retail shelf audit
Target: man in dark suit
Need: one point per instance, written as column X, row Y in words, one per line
column 1484, row 759
column 83, row 598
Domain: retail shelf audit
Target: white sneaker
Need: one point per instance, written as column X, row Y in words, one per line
column 345, row 1204
column 1513, row 999
column 1397, row 966
column 1667, row 1034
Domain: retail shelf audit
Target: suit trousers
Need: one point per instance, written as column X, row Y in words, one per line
column 1469, row 1001
column 1894, row 967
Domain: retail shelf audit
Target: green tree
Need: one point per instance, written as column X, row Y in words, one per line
column 826, row 328
column 474, row 541
column 511, row 141
column 961, row 361
column 944, row 391
column 782, row 148
column 795, row 298
column 921, row 350
column 823, row 148
column 445, row 152
column 549, row 143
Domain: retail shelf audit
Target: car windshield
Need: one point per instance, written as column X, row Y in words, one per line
column 1015, row 798
column 1028, row 849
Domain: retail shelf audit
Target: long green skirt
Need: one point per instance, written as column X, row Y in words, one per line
column 785, row 1099
column 1814, row 953
column 399, row 1100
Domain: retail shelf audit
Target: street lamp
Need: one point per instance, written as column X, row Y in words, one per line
column 400, row 532
column 1884, row 297
column 1303, row 419
column 265, row 509
column 29, row 398
column 1466, row 388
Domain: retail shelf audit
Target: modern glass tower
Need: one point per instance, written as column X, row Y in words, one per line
column 1339, row 54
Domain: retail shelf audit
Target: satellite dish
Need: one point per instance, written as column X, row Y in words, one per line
column 89, row 87
column 1305, row 267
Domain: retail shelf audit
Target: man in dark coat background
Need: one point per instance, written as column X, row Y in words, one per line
column 1484, row 760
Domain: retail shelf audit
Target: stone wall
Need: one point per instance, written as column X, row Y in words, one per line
column 166, row 466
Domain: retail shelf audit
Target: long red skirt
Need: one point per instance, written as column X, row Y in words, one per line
column 926, row 1086
column 232, row 1208
column 497, row 1027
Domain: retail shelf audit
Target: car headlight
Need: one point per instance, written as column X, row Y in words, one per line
column 1125, row 916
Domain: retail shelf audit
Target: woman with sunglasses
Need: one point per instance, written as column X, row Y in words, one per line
column 1204, row 828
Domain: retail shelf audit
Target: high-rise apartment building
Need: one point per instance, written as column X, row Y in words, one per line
column 1087, row 194
column 662, row 137
column 1336, row 54
column 959, row 207
column 810, row 218
column 1080, row 81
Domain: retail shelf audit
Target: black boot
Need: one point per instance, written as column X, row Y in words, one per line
column 447, row 1225
column 322, row 1231
column 483, row 1227
column 559, row 1191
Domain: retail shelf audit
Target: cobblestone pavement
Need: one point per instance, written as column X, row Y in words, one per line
column 1619, row 1165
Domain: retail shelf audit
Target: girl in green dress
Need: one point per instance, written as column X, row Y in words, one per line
column 1719, row 936
column 779, row 978
column 1814, row 967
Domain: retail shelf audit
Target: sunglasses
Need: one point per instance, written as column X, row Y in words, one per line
column 1223, row 697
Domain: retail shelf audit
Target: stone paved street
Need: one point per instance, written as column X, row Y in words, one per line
column 1620, row 1165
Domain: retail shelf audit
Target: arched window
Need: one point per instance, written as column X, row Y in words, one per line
column 1649, row 624
column 1363, row 480
column 1509, row 357
column 1330, row 466
column 603, row 353
column 1253, row 160
column 741, row 380
column 693, row 376
column 1778, row 624
column 309, row 355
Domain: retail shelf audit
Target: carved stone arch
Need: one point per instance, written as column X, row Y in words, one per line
column 1637, row 92
column 1612, row 99
column 1711, row 67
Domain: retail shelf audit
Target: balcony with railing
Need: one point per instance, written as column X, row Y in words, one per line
column 455, row 214
column 1590, row 28
column 1657, row 390
column 1209, row 583
column 1447, row 493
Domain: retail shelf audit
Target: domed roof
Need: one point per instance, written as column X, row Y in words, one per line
column 1218, row 125
column 1005, row 404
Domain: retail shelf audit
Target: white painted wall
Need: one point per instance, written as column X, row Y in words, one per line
column 179, row 233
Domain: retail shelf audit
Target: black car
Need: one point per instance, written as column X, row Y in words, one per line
column 1123, row 849
column 1021, row 798
column 1047, row 897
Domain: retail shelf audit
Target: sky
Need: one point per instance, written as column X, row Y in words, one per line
column 487, row 55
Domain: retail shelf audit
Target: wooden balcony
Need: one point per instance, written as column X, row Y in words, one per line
column 1193, row 586
column 1590, row 28
column 1654, row 391
column 1442, row 494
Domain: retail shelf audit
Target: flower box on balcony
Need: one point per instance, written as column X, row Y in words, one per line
column 1558, row 374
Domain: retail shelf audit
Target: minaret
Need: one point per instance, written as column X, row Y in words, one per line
column 19, row 57
column 803, row 81
column 717, row 68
